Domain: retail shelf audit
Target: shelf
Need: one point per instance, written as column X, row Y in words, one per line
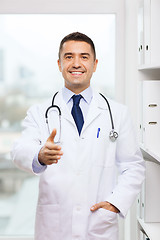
column 149, row 154
column 151, row 229
column 148, row 67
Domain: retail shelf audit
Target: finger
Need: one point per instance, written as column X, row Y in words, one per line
column 52, row 158
column 52, row 162
column 52, row 136
column 51, row 151
column 54, row 152
column 97, row 206
column 52, row 146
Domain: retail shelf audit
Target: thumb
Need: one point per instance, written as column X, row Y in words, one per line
column 52, row 136
column 97, row 206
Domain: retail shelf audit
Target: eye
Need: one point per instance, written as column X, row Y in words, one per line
column 68, row 57
column 84, row 57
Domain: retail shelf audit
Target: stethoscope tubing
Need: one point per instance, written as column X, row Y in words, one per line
column 52, row 106
column 109, row 108
column 113, row 134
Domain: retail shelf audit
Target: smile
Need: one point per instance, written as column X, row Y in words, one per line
column 77, row 73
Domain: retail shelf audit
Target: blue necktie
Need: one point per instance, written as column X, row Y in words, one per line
column 77, row 113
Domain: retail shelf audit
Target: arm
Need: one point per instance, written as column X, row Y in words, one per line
column 131, row 170
column 29, row 146
column 29, row 143
column 131, row 167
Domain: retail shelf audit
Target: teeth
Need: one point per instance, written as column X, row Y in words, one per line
column 78, row 73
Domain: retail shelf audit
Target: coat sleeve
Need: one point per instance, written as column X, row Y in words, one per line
column 28, row 145
column 130, row 165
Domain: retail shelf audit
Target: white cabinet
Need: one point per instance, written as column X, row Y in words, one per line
column 155, row 32
column 148, row 214
column 141, row 34
column 148, row 217
column 151, row 116
column 149, row 197
column 149, row 33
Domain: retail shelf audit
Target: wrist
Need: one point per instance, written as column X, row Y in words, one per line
column 40, row 157
column 112, row 208
column 41, row 163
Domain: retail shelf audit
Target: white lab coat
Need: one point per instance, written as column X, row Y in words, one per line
column 86, row 173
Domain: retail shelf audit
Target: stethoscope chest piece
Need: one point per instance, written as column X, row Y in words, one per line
column 113, row 135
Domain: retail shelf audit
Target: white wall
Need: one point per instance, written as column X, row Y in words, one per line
column 131, row 56
column 131, row 89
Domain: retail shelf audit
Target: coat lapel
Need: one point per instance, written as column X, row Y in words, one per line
column 64, row 109
column 95, row 109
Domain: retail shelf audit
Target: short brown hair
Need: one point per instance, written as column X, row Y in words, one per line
column 77, row 36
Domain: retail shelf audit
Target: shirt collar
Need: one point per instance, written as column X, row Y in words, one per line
column 87, row 94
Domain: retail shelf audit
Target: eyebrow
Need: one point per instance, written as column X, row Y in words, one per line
column 85, row 54
column 70, row 53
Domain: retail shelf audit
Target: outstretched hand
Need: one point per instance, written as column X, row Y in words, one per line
column 50, row 153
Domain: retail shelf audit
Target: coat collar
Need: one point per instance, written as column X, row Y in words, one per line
column 96, row 108
column 86, row 94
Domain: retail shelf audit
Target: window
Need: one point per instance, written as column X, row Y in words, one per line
column 1, row 65
column 28, row 59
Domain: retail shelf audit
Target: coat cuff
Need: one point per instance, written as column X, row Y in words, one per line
column 36, row 165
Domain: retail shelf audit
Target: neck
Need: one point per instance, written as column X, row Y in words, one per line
column 76, row 90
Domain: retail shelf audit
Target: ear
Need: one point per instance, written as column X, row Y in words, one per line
column 59, row 65
column 95, row 65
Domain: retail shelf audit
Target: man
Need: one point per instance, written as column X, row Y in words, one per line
column 79, row 195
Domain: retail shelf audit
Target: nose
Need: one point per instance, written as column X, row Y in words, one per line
column 76, row 62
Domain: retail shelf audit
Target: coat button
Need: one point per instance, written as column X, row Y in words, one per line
column 78, row 209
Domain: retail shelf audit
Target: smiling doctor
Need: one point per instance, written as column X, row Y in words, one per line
column 80, row 196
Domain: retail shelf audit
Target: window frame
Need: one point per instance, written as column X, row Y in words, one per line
column 76, row 7
column 116, row 7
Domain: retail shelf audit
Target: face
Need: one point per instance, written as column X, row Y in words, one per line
column 77, row 65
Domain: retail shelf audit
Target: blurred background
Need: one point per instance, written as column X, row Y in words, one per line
column 29, row 74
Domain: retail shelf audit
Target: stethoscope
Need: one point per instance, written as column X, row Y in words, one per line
column 113, row 135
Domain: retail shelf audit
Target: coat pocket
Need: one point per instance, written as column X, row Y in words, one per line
column 47, row 224
column 103, row 224
column 103, row 152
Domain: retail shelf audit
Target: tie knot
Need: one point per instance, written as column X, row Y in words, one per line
column 76, row 99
